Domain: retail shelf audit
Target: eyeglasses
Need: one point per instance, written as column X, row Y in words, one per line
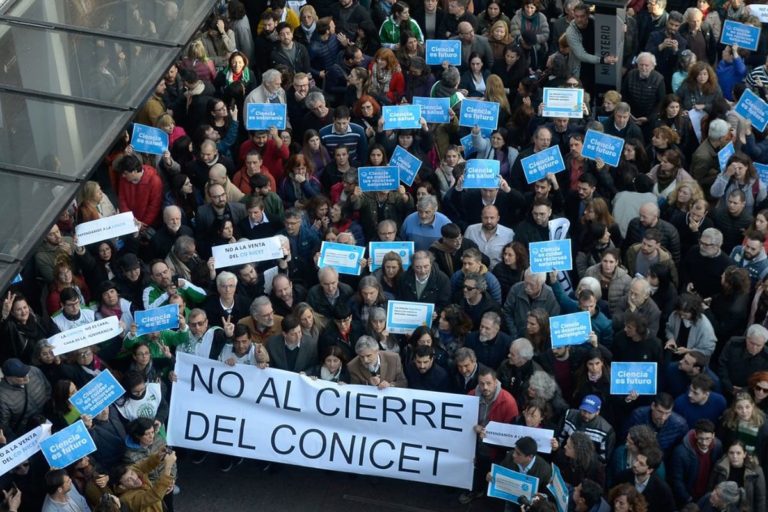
column 84, row 354
column 469, row 288
column 760, row 389
column 198, row 324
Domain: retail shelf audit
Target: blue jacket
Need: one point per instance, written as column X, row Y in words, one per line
column 668, row 435
column 684, row 467
column 307, row 243
column 730, row 74
column 712, row 410
column 602, row 326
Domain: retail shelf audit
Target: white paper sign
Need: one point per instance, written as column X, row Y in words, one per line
column 247, row 251
column 22, row 448
column 504, row 434
column 105, row 228
column 85, row 335
column 760, row 11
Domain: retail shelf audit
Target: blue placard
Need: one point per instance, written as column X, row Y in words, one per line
column 98, row 394
column 402, row 117
column 599, row 145
column 762, row 172
column 603, row 119
column 264, row 116
column 567, row 102
column 724, row 154
column 434, row 110
column 378, row 179
column 753, row 108
column 68, row 446
column 550, row 255
column 438, row 51
column 573, row 329
column 377, row 250
column 403, row 317
column 344, row 258
column 559, row 489
column 466, row 143
column 480, row 173
column 148, row 139
column 408, row 164
column 484, row 114
column 156, row 319
column 743, row 35
column 538, row 165
column 17, row 279
column 510, row 485
column 638, row 377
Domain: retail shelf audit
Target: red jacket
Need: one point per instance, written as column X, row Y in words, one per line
column 145, row 199
column 273, row 158
column 243, row 182
column 503, row 409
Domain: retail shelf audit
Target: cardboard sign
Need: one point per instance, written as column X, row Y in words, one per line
column 264, row 116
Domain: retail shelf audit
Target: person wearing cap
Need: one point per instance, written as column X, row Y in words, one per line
column 71, row 315
column 448, row 250
column 343, row 332
column 24, row 392
column 587, row 419
column 131, row 278
column 523, row 459
column 110, row 303
column 263, row 188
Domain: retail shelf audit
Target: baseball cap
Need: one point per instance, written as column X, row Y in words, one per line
column 15, row 368
column 591, row 404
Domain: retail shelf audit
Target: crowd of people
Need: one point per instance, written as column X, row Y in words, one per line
column 669, row 247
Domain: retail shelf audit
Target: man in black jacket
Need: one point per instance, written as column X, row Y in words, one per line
column 647, row 219
column 523, row 458
column 423, row 373
column 742, row 357
column 643, row 476
column 424, row 282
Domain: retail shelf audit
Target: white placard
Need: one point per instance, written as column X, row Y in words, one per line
column 105, row 228
column 760, row 11
column 22, row 448
column 85, row 335
column 247, row 251
column 504, row 434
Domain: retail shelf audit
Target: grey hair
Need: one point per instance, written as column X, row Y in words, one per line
column 540, row 277
column 492, row 316
column 714, row 235
column 224, row 277
column 591, row 284
column 757, row 330
column 387, row 222
column 451, row 77
column 168, row 209
column 366, row 343
column 524, row 348
column 283, row 239
column 545, row 386
column 270, row 74
column 690, row 12
column 480, row 282
column 196, row 312
column 422, row 255
column 427, row 201
column 314, row 98
column 369, row 282
column 258, row 302
column 184, row 243
column 377, row 313
column 623, row 107
column 463, row 354
column 718, row 129
column 346, row 234
column 647, row 55
column 327, row 270
column 644, row 282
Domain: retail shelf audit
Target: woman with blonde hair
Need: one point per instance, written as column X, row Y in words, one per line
column 680, row 200
column 499, row 38
column 166, row 123
column 93, row 203
column 387, row 80
column 494, row 91
column 744, row 421
column 610, row 100
column 198, row 61
column 358, row 85
column 308, row 19
column 312, row 322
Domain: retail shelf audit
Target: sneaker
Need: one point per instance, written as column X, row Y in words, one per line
column 227, row 465
column 199, row 457
column 468, row 497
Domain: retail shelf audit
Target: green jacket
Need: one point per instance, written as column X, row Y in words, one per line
column 389, row 33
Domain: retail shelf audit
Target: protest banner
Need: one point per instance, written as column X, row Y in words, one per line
column 741, row 34
column 263, row 116
column 752, row 108
column 762, row 172
column 599, row 145
column 438, row 51
column 572, row 329
column 480, row 173
column 378, row 179
column 85, row 335
column 408, row 164
column 377, row 250
column 247, row 251
column 538, row 165
column 640, row 377
column 551, row 255
column 22, row 448
column 483, row 114
column 68, row 445
column 469, row 148
column 344, row 258
column 98, row 394
column 403, row 317
column 507, row 434
column 156, row 319
column 563, row 102
column 148, row 139
column 558, row 488
column 105, row 228
column 510, row 485
column 284, row 417
column 724, row 155
column 434, row 110
column 401, row 117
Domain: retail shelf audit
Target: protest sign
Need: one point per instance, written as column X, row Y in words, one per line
column 469, row 148
column 344, row 258
column 68, row 445
column 507, row 434
column 148, row 139
column 377, row 251
column 754, row 109
column 85, row 335
column 551, row 255
column 563, row 103
column 538, row 165
column 573, row 329
column 247, row 251
column 640, row 377
column 438, row 51
column 156, row 319
column 408, row 164
column 599, row 145
column 762, row 172
column 558, row 488
column 483, row 114
column 401, row 117
column 481, row 174
column 284, row 417
column 434, row 110
column 724, row 155
column 264, row 116
column 741, row 34
column 760, row 11
column 105, row 228
column 22, row 448
column 378, row 179
column 403, row 317
column 510, row 485
column 98, row 394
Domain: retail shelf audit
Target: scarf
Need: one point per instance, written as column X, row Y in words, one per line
column 326, row 374
column 244, row 76
column 309, row 30
column 107, row 311
column 381, row 80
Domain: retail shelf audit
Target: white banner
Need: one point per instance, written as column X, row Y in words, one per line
column 86, row 335
column 105, row 228
column 284, row 417
column 504, row 434
column 22, row 448
column 248, row 251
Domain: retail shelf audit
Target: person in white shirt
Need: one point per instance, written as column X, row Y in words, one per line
column 243, row 350
column 489, row 235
